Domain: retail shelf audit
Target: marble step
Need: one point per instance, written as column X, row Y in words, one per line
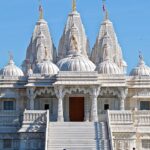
column 74, row 136
column 78, row 136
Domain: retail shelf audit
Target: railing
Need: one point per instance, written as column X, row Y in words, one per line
column 10, row 118
column 121, row 117
column 140, row 118
column 126, row 120
column 110, row 131
column 34, row 117
column 47, row 131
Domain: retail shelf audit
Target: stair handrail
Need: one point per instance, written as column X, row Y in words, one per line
column 110, row 130
column 47, row 130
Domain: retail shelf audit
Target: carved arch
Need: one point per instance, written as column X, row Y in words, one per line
column 110, row 91
column 45, row 90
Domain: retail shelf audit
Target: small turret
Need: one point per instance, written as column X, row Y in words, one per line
column 11, row 70
column 142, row 69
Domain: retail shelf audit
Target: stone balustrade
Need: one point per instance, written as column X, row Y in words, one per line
column 120, row 117
column 142, row 118
column 34, row 117
column 138, row 118
column 10, row 118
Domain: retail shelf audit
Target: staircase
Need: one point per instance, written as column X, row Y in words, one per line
column 78, row 136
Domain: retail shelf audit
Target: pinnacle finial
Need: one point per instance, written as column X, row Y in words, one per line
column 41, row 14
column 141, row 58
column 106, row 15
column 11, row 58
column 74, row 6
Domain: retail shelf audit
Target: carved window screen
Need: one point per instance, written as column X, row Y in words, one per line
column 145, row 105
column 7, row 143
column 8, row 105
column 145, row 144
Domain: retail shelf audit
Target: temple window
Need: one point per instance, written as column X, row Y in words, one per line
column 8, row 105
column 46, row 106
column 145, row 105
column 106, row 106
column 7, row 143
column 145, row 144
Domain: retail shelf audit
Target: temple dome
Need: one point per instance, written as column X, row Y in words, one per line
column 76, row 62
column 46, row 68
column 11, row 70
column 108, row 67
column 141, row 70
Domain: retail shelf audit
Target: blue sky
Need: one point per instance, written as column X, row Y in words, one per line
column 131, row 19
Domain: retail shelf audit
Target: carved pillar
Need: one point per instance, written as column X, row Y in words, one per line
column 60, row 95
column 31, row 97
column 86, row 109
column 123, row 94
column 94, row 111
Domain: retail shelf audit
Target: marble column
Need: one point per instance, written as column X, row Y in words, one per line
column 122, row 97
column 60, row 95
column 86, row 109
column 122, row 104
column 94, row 111
column 31, row 97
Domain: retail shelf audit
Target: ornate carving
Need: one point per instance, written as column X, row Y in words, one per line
column 74, row 43
column 77, row 89
column 109, row 91
column 122, row 93
column 59, row 91
column 95, row 91
column 31, row 93
column 45, row 90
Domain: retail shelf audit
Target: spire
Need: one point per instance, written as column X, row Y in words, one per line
column 74, row 5
column 41, row 14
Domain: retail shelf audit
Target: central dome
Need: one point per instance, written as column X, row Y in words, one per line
column 76, row 62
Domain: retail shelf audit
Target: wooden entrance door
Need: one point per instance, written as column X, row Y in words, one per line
column 76, row 108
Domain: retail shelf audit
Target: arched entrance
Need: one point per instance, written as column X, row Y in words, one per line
column 76, row 109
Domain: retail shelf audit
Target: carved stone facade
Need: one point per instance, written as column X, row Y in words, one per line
column 91, row 94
